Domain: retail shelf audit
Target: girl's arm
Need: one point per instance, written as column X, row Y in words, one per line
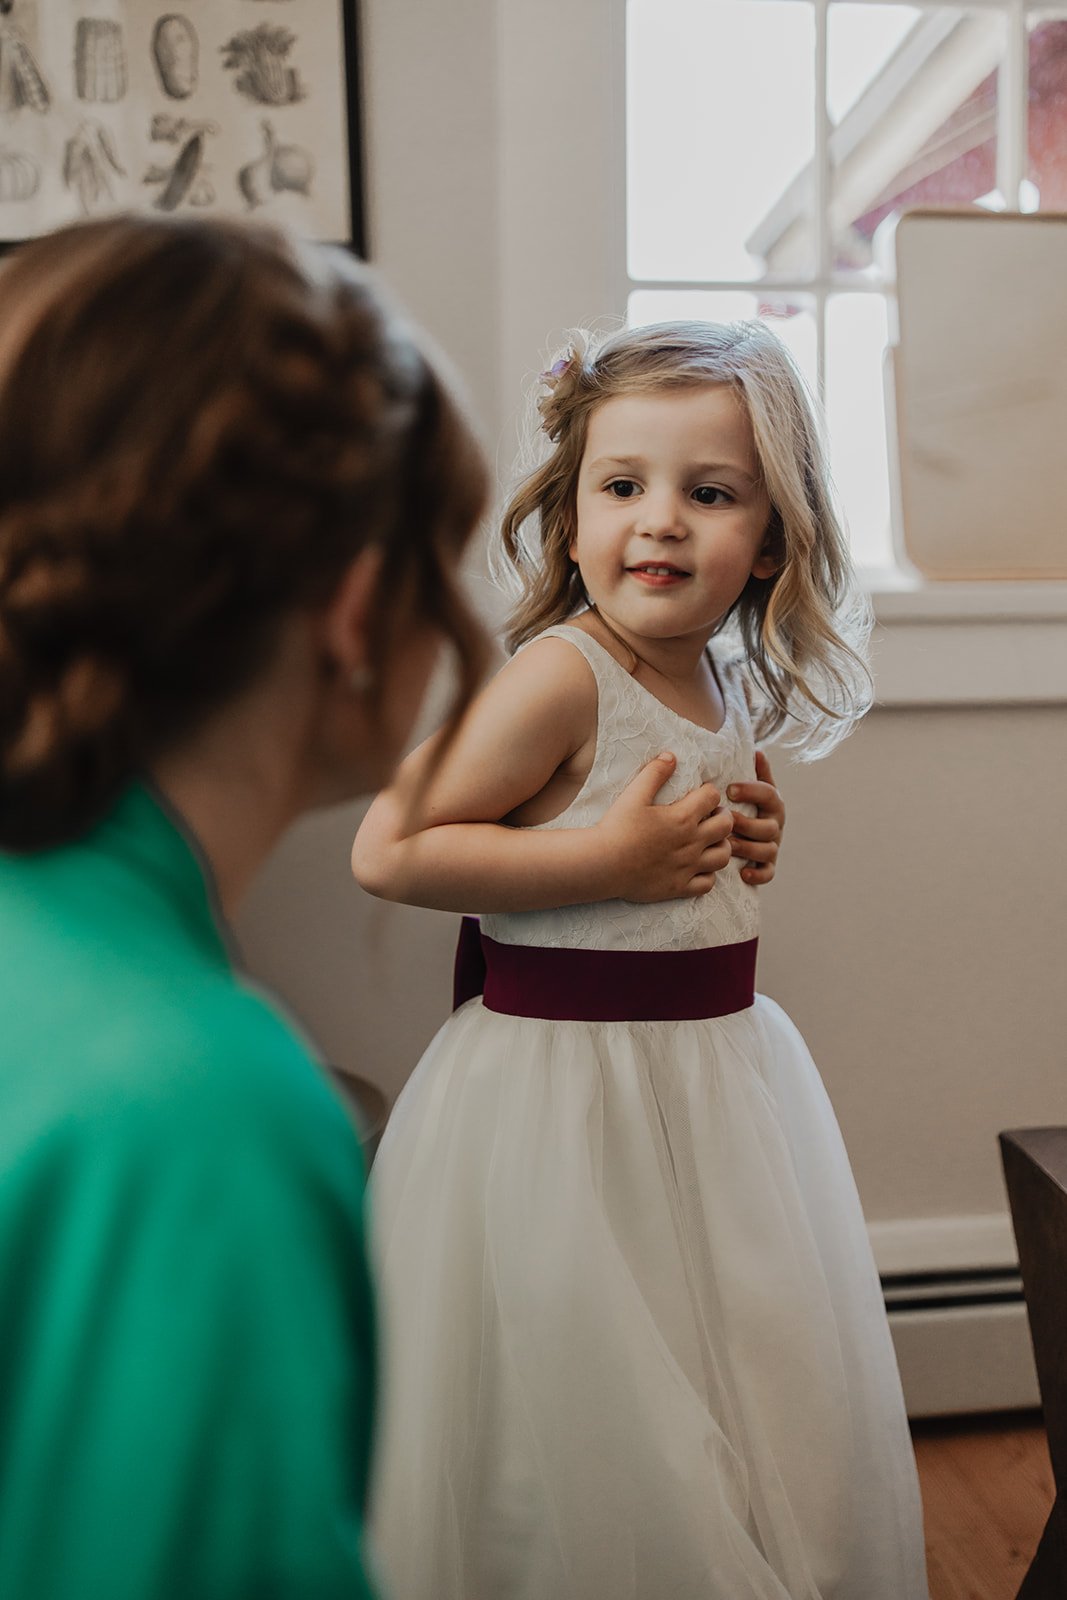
column 450, row 852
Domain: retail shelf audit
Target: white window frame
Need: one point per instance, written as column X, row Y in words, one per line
column 986, row 663
column 1012, row 92
column 558, row 257
column 824, row 281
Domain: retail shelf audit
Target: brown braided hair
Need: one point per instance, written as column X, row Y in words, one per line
column 201, row 425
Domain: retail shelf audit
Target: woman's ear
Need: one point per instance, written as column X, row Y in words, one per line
column 345, row 622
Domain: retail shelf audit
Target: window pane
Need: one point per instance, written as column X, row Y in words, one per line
column 1047, row 169
column 720, row 122
column 856, row 337
column 913, row 103
column 792, row 318
column 860, row 40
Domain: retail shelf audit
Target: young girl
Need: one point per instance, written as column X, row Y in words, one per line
column 636, row 1341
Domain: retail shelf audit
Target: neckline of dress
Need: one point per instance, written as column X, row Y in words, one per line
column 721, row 681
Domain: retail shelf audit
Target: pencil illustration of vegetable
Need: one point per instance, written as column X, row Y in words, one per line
column 99, row 60
column 89, row 161
column 175, row 130
column 281, row 166
column 19, row 175
column 176, row 53
column 185, row 178
column 258, row 58
column 21, row 81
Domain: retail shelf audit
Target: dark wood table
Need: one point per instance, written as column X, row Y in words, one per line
column 1035, row 1171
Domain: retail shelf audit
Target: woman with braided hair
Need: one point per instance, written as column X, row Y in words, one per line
column 233, row 494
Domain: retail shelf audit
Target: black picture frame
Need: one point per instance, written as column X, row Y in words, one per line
column 47, row 109
column 351, row 20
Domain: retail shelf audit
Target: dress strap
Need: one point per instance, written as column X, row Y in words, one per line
column 601, row 662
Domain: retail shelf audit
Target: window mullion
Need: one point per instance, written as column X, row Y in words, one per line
column 822, row 196
column 1012, row 106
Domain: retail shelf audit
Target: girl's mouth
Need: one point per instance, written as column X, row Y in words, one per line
column 658, row 574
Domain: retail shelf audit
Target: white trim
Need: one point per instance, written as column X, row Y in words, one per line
column 822, row 198
column 898, row 597
column 970, row 662
column 1013, row 82
column 943, row 1244
column 763, row 287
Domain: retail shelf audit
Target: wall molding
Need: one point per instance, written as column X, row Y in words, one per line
column 943, row 1244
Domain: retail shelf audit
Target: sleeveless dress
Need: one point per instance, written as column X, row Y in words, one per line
column 634, row 1340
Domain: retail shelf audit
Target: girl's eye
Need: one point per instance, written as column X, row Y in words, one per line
column 622, row 488
column 706, row 495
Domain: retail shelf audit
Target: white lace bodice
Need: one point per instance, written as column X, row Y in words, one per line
column 632, row 727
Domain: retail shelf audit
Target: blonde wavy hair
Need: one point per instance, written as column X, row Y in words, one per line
column 804, row 631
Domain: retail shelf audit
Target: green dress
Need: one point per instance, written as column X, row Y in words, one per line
column 186, row 1321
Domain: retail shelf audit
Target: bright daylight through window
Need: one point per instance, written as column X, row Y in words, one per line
column 772, row 143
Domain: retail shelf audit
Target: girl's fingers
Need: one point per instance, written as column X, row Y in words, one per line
column 756, row 827
column 763, row 768
column 716, row 827
column 699, row 802
column 754, row 850
column 757, row 875
column 763, row 796
column 715, row 858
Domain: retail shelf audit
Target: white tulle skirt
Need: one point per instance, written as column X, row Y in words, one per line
column 634, row 1341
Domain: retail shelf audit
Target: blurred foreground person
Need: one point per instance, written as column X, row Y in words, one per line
column 233, row 493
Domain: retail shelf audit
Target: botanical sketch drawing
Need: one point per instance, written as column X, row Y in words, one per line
column 258, row 57
column 185, row 178
column 176, row 53
column 99, row 60
column 19, row 175
column 89, row 161
column 281, row 166
column 21, row 82
column 105, row 106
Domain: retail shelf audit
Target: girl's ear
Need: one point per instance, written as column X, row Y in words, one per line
column 767, row 563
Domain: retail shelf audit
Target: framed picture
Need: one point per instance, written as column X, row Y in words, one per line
column 246, row 107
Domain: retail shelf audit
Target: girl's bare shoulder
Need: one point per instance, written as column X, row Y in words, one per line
column 552, row 672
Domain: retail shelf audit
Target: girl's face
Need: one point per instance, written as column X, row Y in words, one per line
column 671, row 511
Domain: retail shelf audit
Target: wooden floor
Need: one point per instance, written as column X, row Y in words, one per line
column 987, row 1490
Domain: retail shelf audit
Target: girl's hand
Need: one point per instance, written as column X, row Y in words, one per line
column 664, row 852
column 757, row 838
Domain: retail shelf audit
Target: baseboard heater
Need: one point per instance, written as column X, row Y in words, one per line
column 962, row 1340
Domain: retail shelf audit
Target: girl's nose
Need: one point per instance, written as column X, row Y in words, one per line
column 661, row 517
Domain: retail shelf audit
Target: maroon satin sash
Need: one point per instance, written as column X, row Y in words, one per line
column 603, row 985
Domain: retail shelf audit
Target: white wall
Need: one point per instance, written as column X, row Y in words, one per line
column 917, row 930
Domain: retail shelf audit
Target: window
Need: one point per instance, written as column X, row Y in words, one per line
column 771, row 144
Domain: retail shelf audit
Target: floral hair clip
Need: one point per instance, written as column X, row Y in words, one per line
column 558, row 368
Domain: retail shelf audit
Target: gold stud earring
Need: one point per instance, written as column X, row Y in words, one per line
column 361, row 679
